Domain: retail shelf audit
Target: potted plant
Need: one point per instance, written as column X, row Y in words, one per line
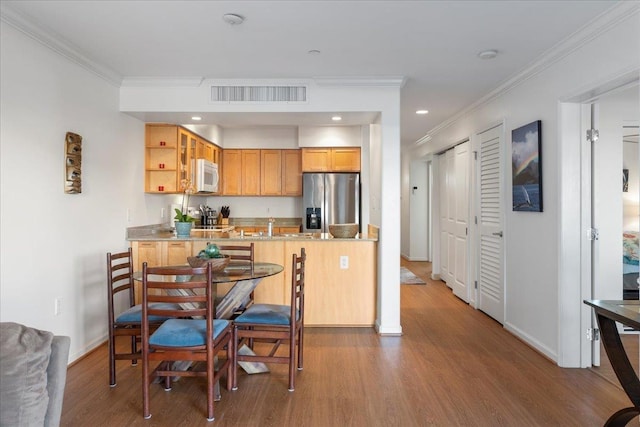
column 184, row 221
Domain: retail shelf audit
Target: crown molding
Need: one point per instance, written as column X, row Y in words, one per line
column 601, row 24
column 56, row 43
column 393, row 81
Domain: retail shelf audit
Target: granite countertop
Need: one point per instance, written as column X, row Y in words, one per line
column 164, row 232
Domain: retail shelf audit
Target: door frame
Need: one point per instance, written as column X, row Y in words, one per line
column 574, row 201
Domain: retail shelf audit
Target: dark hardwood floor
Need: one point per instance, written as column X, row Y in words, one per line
column 453, row 366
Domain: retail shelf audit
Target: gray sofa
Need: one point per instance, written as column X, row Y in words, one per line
column 33, row 373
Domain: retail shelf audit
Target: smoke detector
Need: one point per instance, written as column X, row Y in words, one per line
column 488, row 54
column 233, row 18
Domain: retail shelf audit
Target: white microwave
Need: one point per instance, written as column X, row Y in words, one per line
column 206, row 176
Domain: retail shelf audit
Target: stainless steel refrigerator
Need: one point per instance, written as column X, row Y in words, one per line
column 330, row 198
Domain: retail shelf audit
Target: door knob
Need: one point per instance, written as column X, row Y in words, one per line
column 499, row 234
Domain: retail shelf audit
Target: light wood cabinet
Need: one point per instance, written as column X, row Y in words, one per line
column 316, row 159
column 156, row 254
column 161, row 159
column 333, row 296
column 270, row 172
column 291, row 173
column 345, row 159
column 205, row 150
column 338, row 159
column 169, row 151
column 250, row 171
column 231, row 172
column 261, row 172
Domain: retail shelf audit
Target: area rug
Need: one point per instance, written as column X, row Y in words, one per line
column 408, row 278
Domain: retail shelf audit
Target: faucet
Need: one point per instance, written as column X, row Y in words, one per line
column 270, row 227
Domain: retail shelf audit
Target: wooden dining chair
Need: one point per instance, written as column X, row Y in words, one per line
column 238, row 254
column 274, row 324
column 127, row 322
column 190, row 334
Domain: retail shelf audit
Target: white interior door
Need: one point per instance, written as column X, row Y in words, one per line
column 490, row 225
column 451, row 217
column 442, row 184
column 461, row 221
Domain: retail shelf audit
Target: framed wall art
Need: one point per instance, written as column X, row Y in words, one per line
column 526, row 165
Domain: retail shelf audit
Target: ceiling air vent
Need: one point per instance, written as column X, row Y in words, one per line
column 258, row 94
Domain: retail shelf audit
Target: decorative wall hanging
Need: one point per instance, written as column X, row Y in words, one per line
column 526, row 165
column 73, row 164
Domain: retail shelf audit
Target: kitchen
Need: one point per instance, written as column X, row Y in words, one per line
column 348, row 281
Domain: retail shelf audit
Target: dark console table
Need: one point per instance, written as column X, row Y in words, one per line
column 626, row 312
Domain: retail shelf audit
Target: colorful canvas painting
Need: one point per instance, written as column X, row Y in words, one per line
column 526, row 161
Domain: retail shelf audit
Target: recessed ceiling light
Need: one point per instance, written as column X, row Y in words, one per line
column 336, row 118
column 196, row 118
column 422, row 112
column 314, row 52
column 233, row 18
column 488, row 54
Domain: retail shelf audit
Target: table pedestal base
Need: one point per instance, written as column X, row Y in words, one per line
column 622, row 417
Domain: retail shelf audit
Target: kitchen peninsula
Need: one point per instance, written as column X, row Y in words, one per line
column 340, row 273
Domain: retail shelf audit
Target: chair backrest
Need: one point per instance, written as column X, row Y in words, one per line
column 238, row 252
column 119, row 278
column 188, row 287
column 297, row 286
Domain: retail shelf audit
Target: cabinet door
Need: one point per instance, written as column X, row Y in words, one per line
column 316, row 159
column 231, row 172
column 270, row 172
column 149, row 252
column 250, row 171
column 271, row 290
column 205, row 150
column 291, row 173
column 183, row 158
column 175, row 253
column 345, row 159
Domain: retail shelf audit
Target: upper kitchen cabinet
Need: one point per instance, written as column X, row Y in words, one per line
column 169, row 151
column 205, row 150
column 270, row 172
column 161, row 159
column 338, row 159
column 241, row 172
column 291, row 173
column 261, row 172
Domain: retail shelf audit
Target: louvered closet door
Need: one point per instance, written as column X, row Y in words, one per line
column 491, row 262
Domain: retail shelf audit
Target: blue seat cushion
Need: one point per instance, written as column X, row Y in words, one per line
column 134, row 314
column 266, row 314
column 185, row 332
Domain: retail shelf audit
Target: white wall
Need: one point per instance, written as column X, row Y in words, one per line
column 532, row 260
column 54, row 244
column 261, row 137
column 329, row 136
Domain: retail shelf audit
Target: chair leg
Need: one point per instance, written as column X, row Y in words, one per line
column 234, row 358
column 300, row 347
column 134, row 349
column 292, row 358
column 146, row 410
column 210, row 393
column 112, row 360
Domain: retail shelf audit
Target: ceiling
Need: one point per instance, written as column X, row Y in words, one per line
column 434, row 45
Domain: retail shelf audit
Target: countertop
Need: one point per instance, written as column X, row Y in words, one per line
column 162, row 232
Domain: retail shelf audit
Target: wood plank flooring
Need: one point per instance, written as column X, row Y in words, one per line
column 454, row 366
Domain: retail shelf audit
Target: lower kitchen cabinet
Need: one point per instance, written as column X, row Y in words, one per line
column 334, row 295
column 157, row 253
